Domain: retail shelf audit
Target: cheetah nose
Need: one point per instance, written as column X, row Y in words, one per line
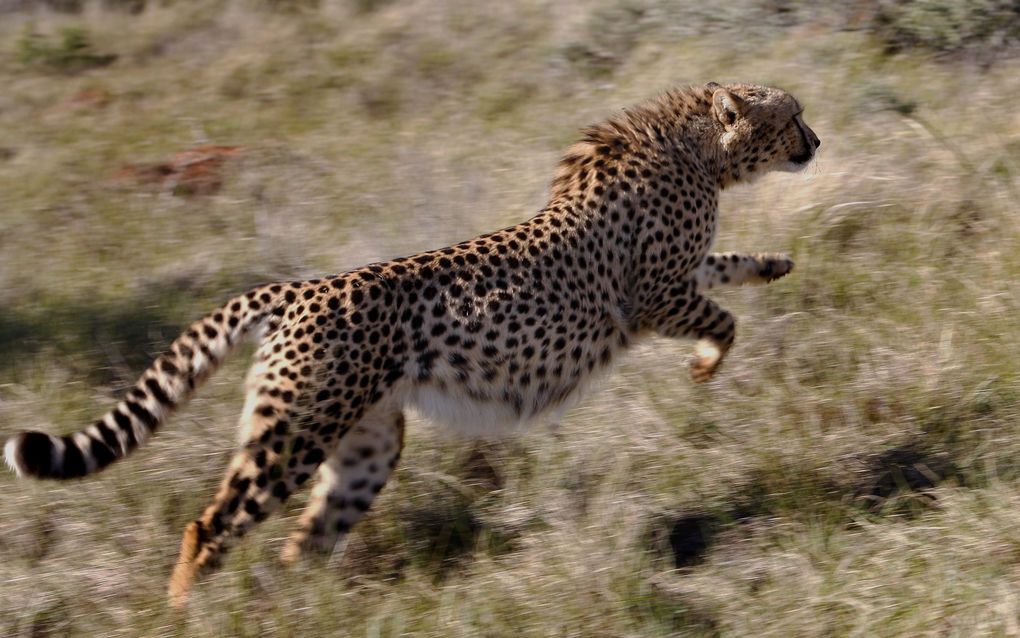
column 818, row 142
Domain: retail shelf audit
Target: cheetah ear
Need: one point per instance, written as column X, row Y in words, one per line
column 726, row 106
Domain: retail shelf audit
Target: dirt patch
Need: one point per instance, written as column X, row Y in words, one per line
column 196, row 171
column 87, row 100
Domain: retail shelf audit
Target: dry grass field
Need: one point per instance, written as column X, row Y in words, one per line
column 854, row 470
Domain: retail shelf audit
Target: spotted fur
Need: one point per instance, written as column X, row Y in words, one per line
column 491, row 332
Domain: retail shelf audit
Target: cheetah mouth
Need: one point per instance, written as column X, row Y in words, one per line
column 809, row 149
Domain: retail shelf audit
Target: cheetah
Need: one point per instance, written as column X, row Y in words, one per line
column 494, row 331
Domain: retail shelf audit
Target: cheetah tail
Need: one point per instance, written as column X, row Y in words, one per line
column 164, row 386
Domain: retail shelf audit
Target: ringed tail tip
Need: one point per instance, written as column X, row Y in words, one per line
column 33, row 454
column 12, row 455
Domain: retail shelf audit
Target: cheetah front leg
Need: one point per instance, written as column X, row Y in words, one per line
column 689, row 314
column 734, row 269
column 353, row 474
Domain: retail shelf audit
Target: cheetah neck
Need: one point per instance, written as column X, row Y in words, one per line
column 645, row 185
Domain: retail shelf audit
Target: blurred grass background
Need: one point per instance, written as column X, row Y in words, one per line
column 852, row 471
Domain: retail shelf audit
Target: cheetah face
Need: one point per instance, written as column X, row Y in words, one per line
column 763, row 130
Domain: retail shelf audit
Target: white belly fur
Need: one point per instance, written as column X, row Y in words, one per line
column 467, row 416
column 462, row 414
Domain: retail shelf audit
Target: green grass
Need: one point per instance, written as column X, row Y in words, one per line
column 851, row 471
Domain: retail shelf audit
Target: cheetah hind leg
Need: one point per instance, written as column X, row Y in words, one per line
column 348, row 481
column 258, row 481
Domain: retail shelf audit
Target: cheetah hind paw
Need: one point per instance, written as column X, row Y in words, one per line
column 186, row 571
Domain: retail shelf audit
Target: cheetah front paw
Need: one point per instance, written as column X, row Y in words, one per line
column 773, row 267
column 708, row 357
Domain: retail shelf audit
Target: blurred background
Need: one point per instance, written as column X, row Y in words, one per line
column 853, row 469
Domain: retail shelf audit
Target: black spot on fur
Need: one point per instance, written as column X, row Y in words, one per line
column 314, row 457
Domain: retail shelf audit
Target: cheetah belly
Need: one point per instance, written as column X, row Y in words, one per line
column 467, row 415
column 490, row 414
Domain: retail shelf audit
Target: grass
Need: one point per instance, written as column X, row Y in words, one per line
column 852, row 470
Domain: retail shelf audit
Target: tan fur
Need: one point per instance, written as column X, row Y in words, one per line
column 185, row 570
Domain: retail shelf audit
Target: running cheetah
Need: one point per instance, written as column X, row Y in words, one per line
column 493, row 331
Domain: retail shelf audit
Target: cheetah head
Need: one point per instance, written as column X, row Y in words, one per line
column 762, row 130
